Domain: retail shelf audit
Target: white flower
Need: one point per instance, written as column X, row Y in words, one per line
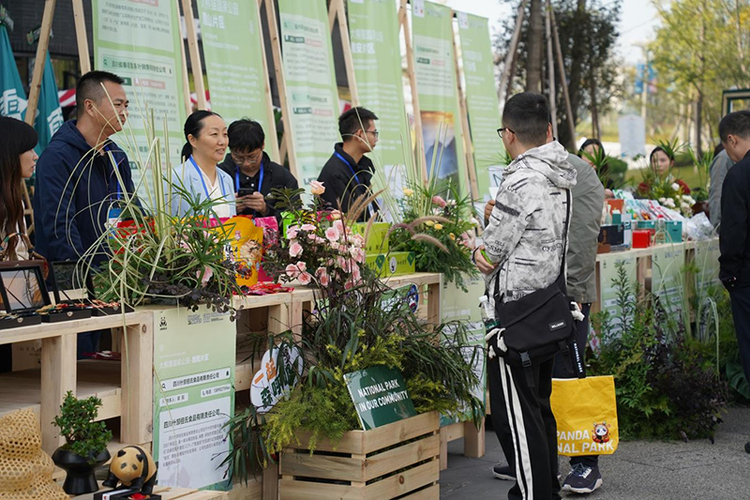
column 669, row 202
column 684, row 207
column 675, row 186
column 663, row 200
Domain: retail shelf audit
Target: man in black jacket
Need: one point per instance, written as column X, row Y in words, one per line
column 734, row 230
column 347, row 175
column 254, row 174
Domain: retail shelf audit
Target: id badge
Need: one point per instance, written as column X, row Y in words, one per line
column 113, row 218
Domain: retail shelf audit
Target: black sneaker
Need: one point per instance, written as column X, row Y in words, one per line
column 503, row 472
column 747, row 447
column 582, row 479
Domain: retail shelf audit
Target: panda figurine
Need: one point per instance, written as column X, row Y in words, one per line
column 134, row 468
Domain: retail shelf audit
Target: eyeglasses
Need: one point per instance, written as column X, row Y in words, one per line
column 251, row 158
column 373, row 132
column 501, row 130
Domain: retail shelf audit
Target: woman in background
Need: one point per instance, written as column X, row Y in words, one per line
column 17, row 163
column 206, row 146
column 662, row 162
column 592, row 148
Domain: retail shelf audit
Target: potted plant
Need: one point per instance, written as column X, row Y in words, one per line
column 85, row 446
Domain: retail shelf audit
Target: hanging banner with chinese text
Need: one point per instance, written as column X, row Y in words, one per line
column 376, row 53
column 310, row 84
column 481, row 98
column 438, row 95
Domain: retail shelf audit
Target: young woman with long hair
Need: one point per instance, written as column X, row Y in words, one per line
column 17, row 162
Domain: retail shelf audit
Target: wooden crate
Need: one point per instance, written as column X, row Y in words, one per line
column 396, row 460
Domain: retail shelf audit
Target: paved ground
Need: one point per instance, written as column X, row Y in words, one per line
column 639, row 470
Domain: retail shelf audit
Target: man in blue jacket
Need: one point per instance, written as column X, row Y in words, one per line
column 76, row 184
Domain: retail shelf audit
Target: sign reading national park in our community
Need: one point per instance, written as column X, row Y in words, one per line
column 380, row 396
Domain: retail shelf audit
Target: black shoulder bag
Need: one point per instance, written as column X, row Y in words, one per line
column 539, row 325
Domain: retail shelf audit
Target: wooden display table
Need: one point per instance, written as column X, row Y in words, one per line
column 168, row 493
column 125, row 388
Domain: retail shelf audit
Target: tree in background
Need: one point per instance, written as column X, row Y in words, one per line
column 701, row 48
column 588, row 34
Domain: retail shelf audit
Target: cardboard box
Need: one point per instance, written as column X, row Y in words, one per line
column 377, row 240
column 611, row 234
column 674, row 231
column 392, row 264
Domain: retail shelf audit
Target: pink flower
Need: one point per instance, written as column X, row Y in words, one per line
column 305, row 278
column 307, row 227
column 292, row 271
column 291, row 232
column 356, row 276
column 439, row 201
column 311, row 236
column 358, row 240
column 335, row 214
column 349, row 284
column 301, row 266
column 207, row 274
column 338, row 225
column 319, row 239
column 317, row 188
column 295, row 249
column 332, row 233
column 324, row 280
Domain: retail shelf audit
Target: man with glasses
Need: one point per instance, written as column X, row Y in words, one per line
column 253, row 172
column 347, row 175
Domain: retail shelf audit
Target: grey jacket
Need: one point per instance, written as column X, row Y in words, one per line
column 719, row 168
column 525, row 231
column 588, row 200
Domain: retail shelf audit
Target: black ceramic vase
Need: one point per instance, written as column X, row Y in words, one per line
column 80, row 477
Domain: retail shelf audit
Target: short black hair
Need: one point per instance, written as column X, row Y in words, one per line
column 90, row 86
column 669, row 154
column 735, row 123
column 246, row 135
column 590, row 142
column 353, row 120
column 527, row 115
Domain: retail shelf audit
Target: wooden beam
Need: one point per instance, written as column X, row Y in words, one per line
column 39, row 61
column 465, row 129
column 195, row 56
column 411, row 70
column 551, row 70
column 563, row 77
column 58, row 377
column 81, row 38
column 185, row 79
column 511, row 56
column 288, row 137
column 337, row 11
column 270, row 118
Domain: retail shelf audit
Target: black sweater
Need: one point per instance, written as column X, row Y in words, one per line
column 340, row 183
column 735, row 221
column 274, row 176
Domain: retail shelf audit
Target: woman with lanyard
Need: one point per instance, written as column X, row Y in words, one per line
column 207, row 142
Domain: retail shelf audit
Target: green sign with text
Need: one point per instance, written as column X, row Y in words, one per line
column 380, row 396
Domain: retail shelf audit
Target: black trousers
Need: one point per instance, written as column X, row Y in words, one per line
column 525, row 425
column 741, row 313
column 499, row 418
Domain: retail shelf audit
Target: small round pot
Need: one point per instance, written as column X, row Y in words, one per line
column 80, row 477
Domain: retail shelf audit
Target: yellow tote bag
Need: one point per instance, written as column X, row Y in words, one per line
column 586, row 414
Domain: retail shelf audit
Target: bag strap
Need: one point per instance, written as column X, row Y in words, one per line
column 565, row 231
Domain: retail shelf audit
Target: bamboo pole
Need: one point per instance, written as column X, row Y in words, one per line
column 337, row 11
column 81, row 37
column 511, row 56
column 39, row 62
column 195, row 56
column 288, row 137
column 465, row 129
column 551, row 70
column 404, row 22
column 563, row 78
column 270, row 117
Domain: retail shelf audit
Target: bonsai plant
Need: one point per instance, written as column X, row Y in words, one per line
column 85, row 446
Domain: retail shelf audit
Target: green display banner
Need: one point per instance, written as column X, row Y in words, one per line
column 310, row 84
column 140, row 42
column 707, row 262
column 481, row 98
column 608, row 272
column 376, row 52
column 438, row 95
column 13, row 101
column 667, row 281
column 380, row 396
column 194, row 362
column 49, row 116
column 237, row 78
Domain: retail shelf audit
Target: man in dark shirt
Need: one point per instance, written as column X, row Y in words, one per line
column 347, row 175
column 734, row 230
column 254, row 174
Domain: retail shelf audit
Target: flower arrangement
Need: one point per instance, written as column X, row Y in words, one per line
column 318, row 247
column 672, row 195
column 440, row 232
